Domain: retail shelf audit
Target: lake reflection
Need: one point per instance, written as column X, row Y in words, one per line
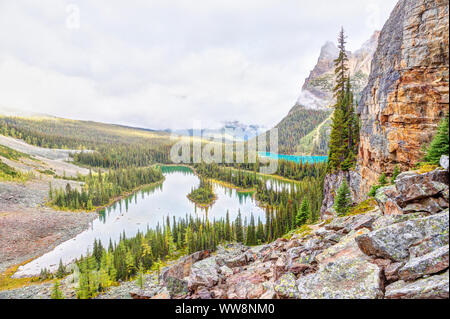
column 147, row 208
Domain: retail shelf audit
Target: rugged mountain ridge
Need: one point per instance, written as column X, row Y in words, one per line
column 406, row 96
column 297, row 131
column 317, row 91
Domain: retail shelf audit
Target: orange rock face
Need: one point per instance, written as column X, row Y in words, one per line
column 407, row 93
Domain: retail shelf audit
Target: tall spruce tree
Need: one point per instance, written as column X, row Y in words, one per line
column 303, row 214
column 344, row 137
column 343, row 200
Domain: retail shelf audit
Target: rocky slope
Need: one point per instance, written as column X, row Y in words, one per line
column 407, row 93
column 397, row 248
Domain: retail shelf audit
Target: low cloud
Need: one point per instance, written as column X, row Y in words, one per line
column 165, row 64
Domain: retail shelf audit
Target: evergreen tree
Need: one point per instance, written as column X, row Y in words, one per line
column 395, row 173
column 343, row 199
column 61, row 272
column 56, row 292
column 251, row 232
column 440, row 144
column 239, row 231
column 344, row 137
column 303, row 214
column 140, row 278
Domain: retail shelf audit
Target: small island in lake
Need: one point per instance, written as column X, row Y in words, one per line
column 203, row 196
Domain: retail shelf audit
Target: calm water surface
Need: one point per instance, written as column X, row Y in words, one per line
column 294, row 158
column 147, row 208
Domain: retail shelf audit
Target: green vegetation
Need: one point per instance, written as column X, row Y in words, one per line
column 395, row 173
column 342, row 202
column 100, row 188
column 204, row 194
column 439, row 145
column 114, row 145
column 8, row 173
column 344, row 138
column 303, row 214
column 382, row 181
column 363, row 207
column 56, row 292
column 11, row 154
column 296, row 125
column 316, row 142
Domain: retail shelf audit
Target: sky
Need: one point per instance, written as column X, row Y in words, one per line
column 170, row 63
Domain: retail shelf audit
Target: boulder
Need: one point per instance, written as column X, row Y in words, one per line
column 429, row 205
column 428, row 264
column 406, row 180
column 423, row 190
column 433, row 287
column 429, row 245
column 163, row 294
column 386, row 196
column 286, row 286
column 280, row 267
column 346, row 247
column 204, row 293
column 225, row 271
column 246, row 284
column 298, row 268
column 391, row 271
column 229, row 252
column 343, row 278
column 394, row 241
column 238, row 261
column 203, row 274
column 173, row 277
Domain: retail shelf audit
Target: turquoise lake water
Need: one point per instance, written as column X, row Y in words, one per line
column 294, row 158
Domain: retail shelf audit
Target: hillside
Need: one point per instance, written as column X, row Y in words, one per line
column 297, row 134
column 113, row 144
column 296, row 126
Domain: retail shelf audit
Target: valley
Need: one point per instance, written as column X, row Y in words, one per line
column 356, row 206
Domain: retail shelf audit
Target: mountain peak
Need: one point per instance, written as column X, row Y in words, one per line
column 329, row 51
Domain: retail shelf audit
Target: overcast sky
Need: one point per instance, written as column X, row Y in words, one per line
column 165, row 64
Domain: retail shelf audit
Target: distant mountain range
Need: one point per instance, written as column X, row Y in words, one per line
column 230, row 131
column 306, row 128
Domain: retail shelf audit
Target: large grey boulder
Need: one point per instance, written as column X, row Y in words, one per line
column 344, row 278
column 286, row 286
column 393, row 242
column 174, row 277
column 204, row 273
column 433, row 287
column 431, row 263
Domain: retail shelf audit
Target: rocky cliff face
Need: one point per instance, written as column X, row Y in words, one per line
column 407, row 93
column 406, row 96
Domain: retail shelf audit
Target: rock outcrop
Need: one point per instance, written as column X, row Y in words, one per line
column 407, row 92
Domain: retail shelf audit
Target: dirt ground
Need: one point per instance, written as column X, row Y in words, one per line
column 28, row 228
